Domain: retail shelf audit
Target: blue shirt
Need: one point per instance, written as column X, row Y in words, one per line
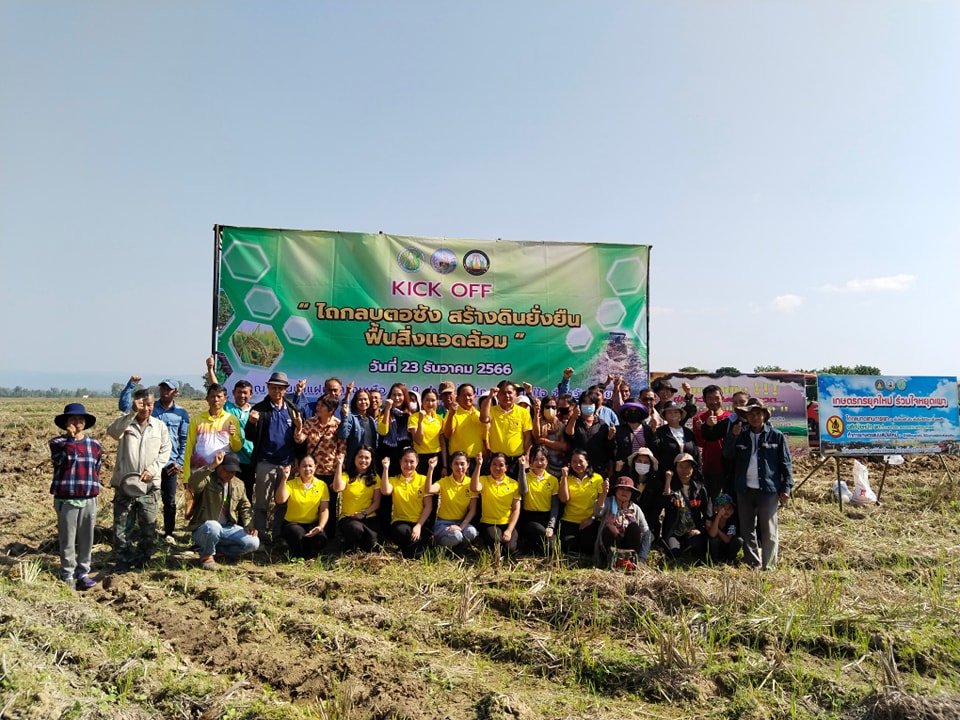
column 176, row 418
column 279, row 440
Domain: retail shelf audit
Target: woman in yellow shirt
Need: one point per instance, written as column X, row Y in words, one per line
column 411, row 504
column 308, row 506
column 359, row 500
column 541, row 504
column 499, row 504
column 425, row 427
column 458, row 506
column 583, row 493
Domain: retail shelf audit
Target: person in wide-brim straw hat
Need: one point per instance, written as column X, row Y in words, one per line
column 623, row 525
column 75, row 487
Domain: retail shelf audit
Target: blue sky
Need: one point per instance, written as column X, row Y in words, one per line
column 795, row 165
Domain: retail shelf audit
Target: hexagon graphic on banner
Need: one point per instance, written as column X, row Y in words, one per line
column 297, row 330
column 626, row 276
column 262, row 303
column 610, row 313
column 255, row 346
column 245, row 262
column 579, row 339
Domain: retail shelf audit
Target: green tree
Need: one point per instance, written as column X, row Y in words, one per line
column 727, row 370
column 691, row 369
column 768, row 368
column 116, row 389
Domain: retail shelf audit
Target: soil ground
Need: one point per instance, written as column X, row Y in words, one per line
column 858, row 621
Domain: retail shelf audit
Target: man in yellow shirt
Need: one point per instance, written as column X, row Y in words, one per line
column 462, row 428
column 510, row 425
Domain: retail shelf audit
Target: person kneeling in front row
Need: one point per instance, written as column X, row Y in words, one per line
column 222, row 522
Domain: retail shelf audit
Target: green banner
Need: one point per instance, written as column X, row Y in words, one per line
column 376, row 309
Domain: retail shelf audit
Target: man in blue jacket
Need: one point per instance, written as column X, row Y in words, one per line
column 763, row 477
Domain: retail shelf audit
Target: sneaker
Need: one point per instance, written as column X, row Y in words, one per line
column 70, row 583
column 208, row 563
column 170, row 540
column 85, row 582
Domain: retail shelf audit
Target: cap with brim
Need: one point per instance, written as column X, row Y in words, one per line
column 659, row 385
column 278, row 378
column 172, row 384
column 231, row 463
column 74, row 409
column 446, row 386
column 684, row 457
column 625, row 482
column 753, row 404
column 132, row 486
column 723, row 499
column 671, row 406
column 645, row 453
column 523, row 400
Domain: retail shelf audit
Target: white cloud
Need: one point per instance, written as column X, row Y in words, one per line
column 880, row 284
column 786, row 303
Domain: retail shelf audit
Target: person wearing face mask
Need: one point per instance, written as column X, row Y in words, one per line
column 642, row 466
column 585, row 431
column 548, row 431
column 392, row 425
column 633, row 433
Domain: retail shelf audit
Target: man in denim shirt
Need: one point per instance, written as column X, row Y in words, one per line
column 763, row 477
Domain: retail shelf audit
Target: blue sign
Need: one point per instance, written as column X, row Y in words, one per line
column 888, row 415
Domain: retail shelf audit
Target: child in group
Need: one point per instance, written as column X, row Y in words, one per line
column 75, row 487
column 623, row 525
column 724, row 542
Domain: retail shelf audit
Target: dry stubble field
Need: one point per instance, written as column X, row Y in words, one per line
column 859, row 621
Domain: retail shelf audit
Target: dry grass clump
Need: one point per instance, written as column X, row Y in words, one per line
column 899, row 705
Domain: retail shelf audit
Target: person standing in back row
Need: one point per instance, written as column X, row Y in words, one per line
column 275, row 427
column 143, row 452
column 177, row 420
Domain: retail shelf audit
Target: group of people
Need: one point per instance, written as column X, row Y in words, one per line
column 608, row 477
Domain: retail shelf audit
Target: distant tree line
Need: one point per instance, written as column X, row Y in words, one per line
column 832, row 370
column 186, row 391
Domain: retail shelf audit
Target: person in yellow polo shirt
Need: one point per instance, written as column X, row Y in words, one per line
column 411, row 502
column 425, row 428
column 510, row 425
column 583, row 493
column 499, row 504
column 458, row 506
column 462, row 427
column 359, row 500
column 308, row 506
column 541, row 504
